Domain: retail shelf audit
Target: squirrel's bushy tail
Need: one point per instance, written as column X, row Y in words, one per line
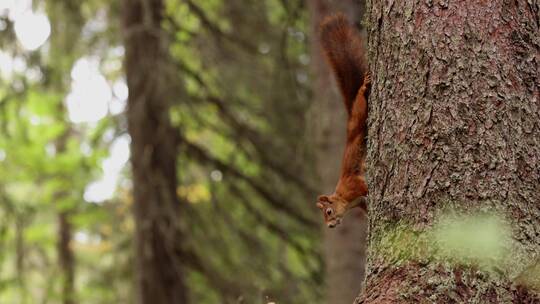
column 343, row 47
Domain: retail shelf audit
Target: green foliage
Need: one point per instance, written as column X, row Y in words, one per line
column 240, row 95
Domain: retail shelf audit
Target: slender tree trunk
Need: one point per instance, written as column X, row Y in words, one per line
column 66, row 257
column 453, row 124
column 344, row 246
column 67, row 23
column 153, row 159
column 20, row 253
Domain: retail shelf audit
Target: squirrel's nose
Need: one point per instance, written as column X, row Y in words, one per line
column 331, row 225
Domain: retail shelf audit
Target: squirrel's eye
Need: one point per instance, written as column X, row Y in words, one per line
column 329, row 211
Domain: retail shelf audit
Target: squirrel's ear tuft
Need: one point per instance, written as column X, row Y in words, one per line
column 320, row 205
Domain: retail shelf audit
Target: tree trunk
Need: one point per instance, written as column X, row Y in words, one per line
column 344, row 246
column 66, row 257
column 453, row 125
column 67, row 22
column 153, row 158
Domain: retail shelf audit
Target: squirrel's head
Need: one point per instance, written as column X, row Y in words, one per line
column 333, row 209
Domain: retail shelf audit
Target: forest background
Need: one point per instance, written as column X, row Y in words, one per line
column 238, row 83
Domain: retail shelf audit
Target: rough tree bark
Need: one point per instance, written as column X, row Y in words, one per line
column 153, row 158
column 344, row 246
column 453, row 123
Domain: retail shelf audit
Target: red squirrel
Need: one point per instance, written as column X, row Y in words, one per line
column 342, row 46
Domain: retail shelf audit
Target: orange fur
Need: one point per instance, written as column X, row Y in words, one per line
column 343, row 48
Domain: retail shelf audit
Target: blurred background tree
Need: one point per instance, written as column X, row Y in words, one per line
column 218, row 129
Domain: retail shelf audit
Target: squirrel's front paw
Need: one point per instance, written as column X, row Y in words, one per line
column 366, row 86
column 367, row 80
